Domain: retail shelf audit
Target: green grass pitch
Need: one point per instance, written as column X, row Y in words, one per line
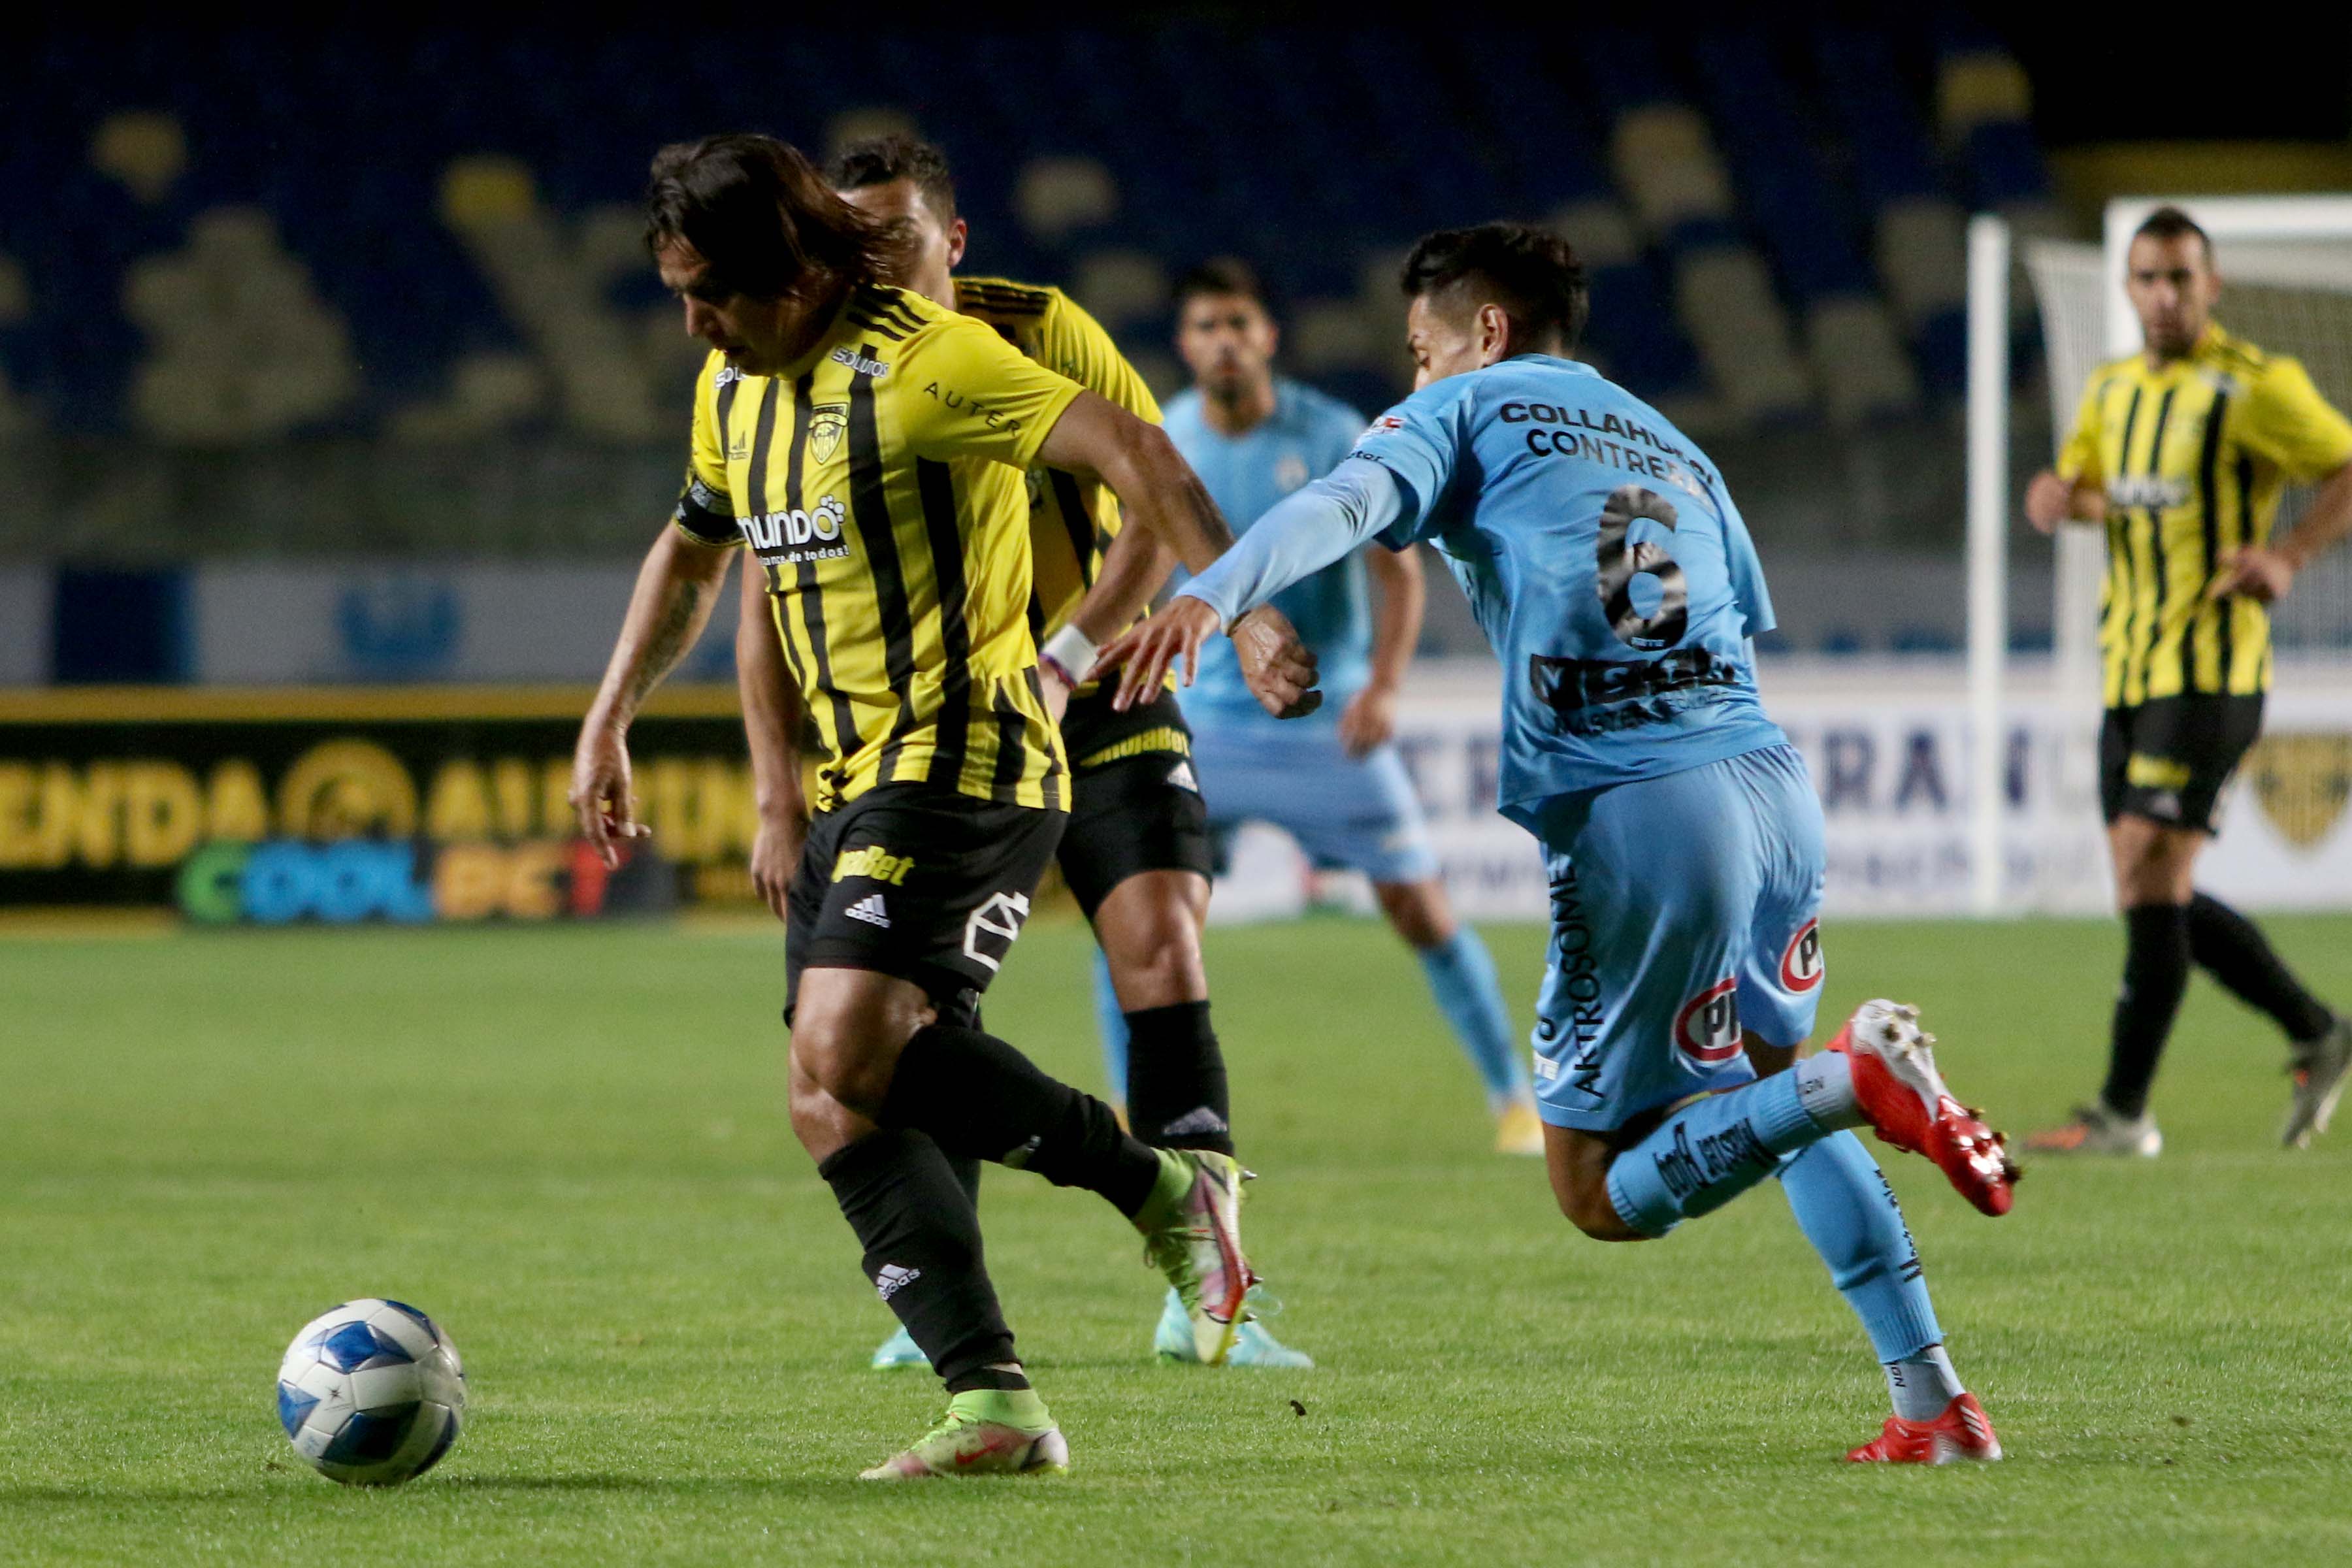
column 570, row 1146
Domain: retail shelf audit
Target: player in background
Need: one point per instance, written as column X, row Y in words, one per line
column 869, row 447
column 2180, row 451
column 1335, row 783
column 1610, row 570
column 1136, row 855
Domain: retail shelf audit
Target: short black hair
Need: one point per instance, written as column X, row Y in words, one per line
column 759, row 214
column 2172, row 223
column 1532, row 273
column 1222, row 275
column 884, row 160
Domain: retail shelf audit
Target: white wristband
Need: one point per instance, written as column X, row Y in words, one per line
column 1071, row 653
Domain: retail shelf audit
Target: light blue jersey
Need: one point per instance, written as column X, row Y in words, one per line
column 1605, row 561
column 1302, row 439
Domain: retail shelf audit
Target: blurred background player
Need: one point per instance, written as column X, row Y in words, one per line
column 1334, row 782
column 1136, row 855
column 2180, row 452
column 1616, row 580
column 891, row 523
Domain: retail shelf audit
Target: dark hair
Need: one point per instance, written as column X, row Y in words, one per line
column 1222, row 275
column 1530, row 272
column 2172, row 223
column 884, row 160
column 759, row 213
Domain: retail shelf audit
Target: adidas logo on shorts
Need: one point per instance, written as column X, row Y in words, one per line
column 891, row 1278
column 870, row 910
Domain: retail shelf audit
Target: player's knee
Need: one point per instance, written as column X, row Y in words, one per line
column 839, row 1055
column 1588, row 1208
column 1417, row 910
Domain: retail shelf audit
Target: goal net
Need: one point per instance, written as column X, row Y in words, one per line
column 2286, row 270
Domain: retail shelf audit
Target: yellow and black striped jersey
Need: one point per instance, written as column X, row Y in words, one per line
column 2192, row 455
column 1071, row 521
column 879, row 482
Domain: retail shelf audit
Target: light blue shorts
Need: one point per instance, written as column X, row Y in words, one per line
column 1683, row 911
column 1360, row 814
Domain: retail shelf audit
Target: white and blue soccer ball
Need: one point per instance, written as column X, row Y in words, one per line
column 372, row 1393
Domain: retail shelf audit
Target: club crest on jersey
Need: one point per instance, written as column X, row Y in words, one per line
column 828, row 422
column 1708, row 1028
column 1801, row 965
column 1383, row 425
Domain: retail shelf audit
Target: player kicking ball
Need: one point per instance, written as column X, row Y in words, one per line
column 1608, row 567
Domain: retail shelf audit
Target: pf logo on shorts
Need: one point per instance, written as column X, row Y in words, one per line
column 989, row 932
column 1801, row 965
column 1708, row 1028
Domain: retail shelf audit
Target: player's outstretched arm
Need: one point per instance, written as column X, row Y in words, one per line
column 1159, row 491
column 772, row 719
column 675, row 588
column 2267, row 572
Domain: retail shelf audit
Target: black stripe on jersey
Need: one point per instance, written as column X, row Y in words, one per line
column 2156, row 531
column 1009, row 298
column 865, row 322
column 1012, row 756
column 1077, row 520
column 887, row 308
column 727, row 406
column 870, row 509
column 934, row 486
column 2245, row 476
column 812, row 598
column 2129, row 556
column 2208, row 502
column 1051, row 783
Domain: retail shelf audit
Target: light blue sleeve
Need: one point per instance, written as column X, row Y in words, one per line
column 1306, row 531
column 1419, row 441
column 1748, row 589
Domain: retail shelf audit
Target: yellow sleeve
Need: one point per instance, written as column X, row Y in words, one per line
column 2078, row 459
column 2289, row 422
column 970, row 393
column 1077, row 345
column 705, row 512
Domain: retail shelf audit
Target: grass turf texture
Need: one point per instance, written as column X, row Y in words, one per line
column 570, row 1146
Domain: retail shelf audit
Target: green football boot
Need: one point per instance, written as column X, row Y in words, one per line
column 899, row 1350
column 1253, row 1346
column 1191, row 1226
column 986, row 1432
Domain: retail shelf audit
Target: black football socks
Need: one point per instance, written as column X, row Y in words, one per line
column 2232, row 950
column 1176, row 1093
column 978, row 1097
column 2156, row 974
column 922, row 1238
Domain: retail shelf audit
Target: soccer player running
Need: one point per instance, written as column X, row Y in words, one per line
column 2180, row 452
column 869, row 447
column 1136, row 855
column 1335, row 781
column 1612, row 572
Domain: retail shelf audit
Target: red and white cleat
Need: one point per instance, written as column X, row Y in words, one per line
column 1903, row 1097
column 1961, row 1432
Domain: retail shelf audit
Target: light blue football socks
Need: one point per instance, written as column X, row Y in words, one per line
column 1714, row 1149
column 1847, row 1210
column 1461, row 978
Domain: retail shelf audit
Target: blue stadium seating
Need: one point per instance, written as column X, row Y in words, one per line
column 1311, row 150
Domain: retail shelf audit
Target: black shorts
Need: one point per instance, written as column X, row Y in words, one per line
column 918, row 882
column 1135, row 805
column 2168, row 759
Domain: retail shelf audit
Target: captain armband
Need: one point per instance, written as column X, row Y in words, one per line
column 705, row 515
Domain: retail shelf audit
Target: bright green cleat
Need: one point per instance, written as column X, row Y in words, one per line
column 1191, row 1226
column 986, row 1432
column 1253, row 1346
column 899, row 1350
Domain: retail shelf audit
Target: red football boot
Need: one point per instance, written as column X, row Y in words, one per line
column 1961, row 1432
column 1903, row 1097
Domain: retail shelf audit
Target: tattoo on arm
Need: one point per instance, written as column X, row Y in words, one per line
column 665, row 643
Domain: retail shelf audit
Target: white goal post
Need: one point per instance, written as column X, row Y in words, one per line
column 2286, row 268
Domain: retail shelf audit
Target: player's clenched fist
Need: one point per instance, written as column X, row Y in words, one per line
column 1280, row 669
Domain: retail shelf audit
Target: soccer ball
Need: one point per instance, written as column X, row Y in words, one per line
column 371, row 1393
